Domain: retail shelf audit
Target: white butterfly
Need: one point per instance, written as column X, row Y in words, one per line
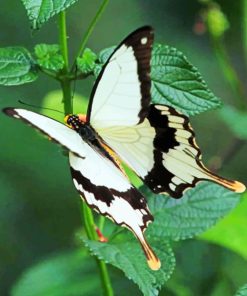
column 156, row 141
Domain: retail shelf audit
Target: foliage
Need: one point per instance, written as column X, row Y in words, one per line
column 242, row 291
column 230, row 231
column 16, row 66
column 41, row 11
column 60, row 274
column 175, row 82
column 49, row 57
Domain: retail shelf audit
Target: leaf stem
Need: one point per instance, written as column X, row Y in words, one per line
column 89, row 31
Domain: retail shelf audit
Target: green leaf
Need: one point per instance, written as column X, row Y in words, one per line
column 231, row 231
column 198, row 210
column 175, row 82
column 236, row 120
column 242, row 291
column 65, row 274
column 86, row 63
column 48, row 56
column 16, row 66
column 40, row 11
column 129, row 257
column 103, row 57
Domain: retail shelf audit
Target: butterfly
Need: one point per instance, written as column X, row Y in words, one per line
column 154, row 140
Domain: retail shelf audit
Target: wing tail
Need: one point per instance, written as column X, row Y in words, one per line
column 152, row 260
column 235, row 186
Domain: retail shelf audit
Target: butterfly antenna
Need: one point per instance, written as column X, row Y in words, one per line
column 34, row 106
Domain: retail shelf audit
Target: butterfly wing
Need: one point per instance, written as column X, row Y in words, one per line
column 99, row 181
column 56, row 131
column 121, row 93
column 163, row 152
column 157, row 142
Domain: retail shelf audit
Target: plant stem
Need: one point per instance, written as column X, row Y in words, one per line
column 68, row 108
column 63, row 39
column 89, row 31
column 89, row 226
column 101, row 223
column 229, row 72
column 244, row 18
column 65, row 82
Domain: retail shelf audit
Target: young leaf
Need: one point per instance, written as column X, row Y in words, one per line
column 242, row 291
column 65, row 274
column 230, row 232
column 41, row 11
column 48, row 56
column 128, row 257
column 175, row 82
column 199, row 209
column 236, row 120
column 86, row 63
column 16, row 66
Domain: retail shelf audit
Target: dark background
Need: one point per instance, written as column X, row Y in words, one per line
column 39, row 210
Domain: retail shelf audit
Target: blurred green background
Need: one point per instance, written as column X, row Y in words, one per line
column 39, row 210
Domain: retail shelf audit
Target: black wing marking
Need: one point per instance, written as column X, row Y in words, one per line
column 105, row 189
column 177, row 158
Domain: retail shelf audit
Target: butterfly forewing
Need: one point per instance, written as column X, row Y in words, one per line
column 121, row 94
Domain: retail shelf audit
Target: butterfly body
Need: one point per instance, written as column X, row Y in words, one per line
column 155, row 141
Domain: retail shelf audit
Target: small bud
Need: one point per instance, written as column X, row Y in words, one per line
column 216, row 21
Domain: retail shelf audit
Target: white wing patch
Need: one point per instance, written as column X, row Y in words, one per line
column 134, row 145
column 117, row 100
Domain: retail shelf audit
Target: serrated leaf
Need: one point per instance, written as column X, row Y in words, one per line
column 48, row 56
column 198, row 210
column 65, row 274
column 86, row 63
column 40, row 11
column 242, row 291
column 175, row 82
column 129, row 257
column 236, row 120
column 16, row 66
column 230, row 232
column 103, row 57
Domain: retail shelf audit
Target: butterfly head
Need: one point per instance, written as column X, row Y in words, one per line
column 73, row 121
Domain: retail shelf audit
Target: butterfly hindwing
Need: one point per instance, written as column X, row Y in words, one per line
column 163, row 152
column 105, row 189
column 121, row 93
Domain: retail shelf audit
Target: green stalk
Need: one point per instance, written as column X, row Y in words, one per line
column 89, row 31
column 244, row 18
column 229, row 72
column 91, row 233
column 68, row 109
column 65, row 82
